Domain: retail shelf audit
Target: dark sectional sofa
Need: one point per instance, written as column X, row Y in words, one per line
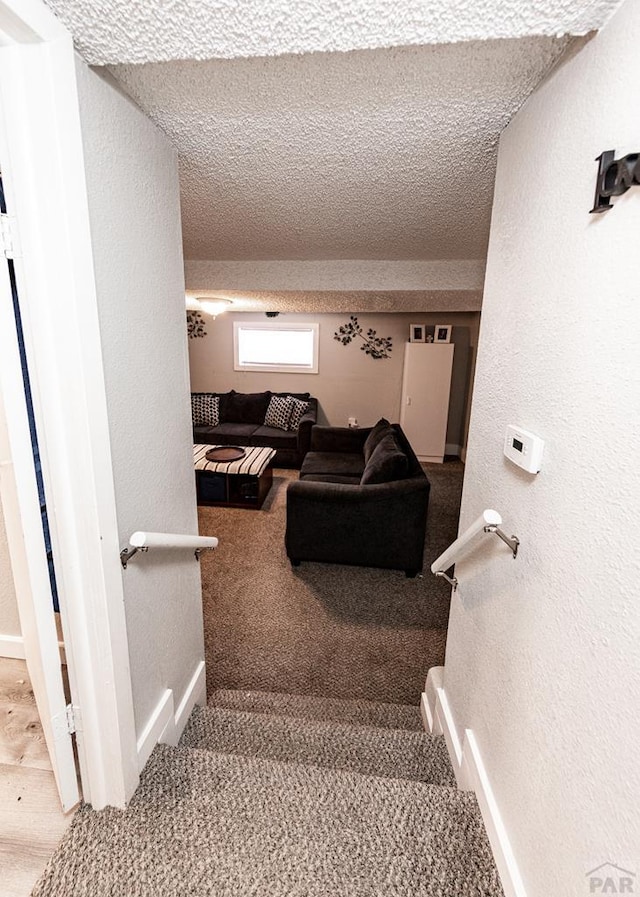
column 350, row 507
column 242, row 423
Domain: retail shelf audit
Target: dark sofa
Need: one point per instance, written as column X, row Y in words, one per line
column 242, row 423
column 332, row 516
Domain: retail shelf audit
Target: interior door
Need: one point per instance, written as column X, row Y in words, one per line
column 32, row 570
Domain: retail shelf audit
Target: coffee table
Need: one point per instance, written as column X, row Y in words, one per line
column 244, row 483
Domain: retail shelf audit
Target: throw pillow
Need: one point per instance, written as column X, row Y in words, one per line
column 247, row 407
column 381, row 429
column 279, row 412
column 298, row 409
column 205, row 409
column 387, row 462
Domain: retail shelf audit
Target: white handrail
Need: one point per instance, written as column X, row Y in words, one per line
column 488, row 522
column 171, row 540
column 141, row 541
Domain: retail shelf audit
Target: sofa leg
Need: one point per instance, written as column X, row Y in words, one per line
column 411, row 574
column 294, row 562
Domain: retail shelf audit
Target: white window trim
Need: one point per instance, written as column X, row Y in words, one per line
column 278, row 368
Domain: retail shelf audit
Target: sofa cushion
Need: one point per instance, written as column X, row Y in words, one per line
column 235, row 430
column 224, row 401
column 299, row 408
column 381, row 429
column 246, row 407
column 304, row 396
column 278, row 413
column 345, row 464
column 205, row 409
column 388, row 462
column 272, row 436
column 328, row 478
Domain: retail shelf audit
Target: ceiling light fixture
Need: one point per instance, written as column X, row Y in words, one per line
column 215, row 306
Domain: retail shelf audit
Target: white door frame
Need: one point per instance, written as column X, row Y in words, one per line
column 29, row 566
column 43, row 165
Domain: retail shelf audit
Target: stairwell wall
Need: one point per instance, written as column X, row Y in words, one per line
column 132, row 186
column 543, row 656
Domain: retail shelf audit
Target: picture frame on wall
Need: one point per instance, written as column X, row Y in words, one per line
column 417, row 333
column 442, row 333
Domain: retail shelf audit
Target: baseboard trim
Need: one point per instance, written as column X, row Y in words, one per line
column 161, row 717
column 12, row 646
column 452, row 449
column 498, row 838
column 165, row 725
column 471, row 775
column 196, row 693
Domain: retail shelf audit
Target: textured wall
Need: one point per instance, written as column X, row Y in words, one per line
column 154, row 30
column 543, row 657
column 349, row 383
column 135, row 227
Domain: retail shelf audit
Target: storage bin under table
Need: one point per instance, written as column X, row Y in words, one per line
column 244, row 483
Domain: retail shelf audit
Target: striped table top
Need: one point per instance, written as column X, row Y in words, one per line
column 254, row 462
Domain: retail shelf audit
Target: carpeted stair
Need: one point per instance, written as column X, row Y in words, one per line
column 287, row 797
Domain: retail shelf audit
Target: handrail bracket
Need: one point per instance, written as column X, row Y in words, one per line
column 512, row 542
column 127, row 553
column 452, row 580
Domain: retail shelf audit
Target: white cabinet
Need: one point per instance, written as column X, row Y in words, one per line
column 426, row 384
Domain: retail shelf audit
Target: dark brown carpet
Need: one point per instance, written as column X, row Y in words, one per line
column 322, row 629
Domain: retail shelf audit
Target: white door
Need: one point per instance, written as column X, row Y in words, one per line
column 426, row 384
column 24, row 524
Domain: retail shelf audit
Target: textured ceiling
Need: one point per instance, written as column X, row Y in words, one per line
column 386, row 154
column 348, row 301
column 342, row 130
column 114, row 31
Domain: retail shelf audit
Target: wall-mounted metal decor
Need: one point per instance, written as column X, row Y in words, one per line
column 195, row 324
column 373, row 345
column 615, row 176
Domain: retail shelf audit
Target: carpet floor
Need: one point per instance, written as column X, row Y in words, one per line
column 322, row 629
column 286, row 794
column 393, row 753
column 207, row 824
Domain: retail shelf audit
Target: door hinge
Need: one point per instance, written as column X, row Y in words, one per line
column 67, row 722
column 9, row 236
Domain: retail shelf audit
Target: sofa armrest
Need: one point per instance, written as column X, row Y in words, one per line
column 307, row 422
column 338, row 439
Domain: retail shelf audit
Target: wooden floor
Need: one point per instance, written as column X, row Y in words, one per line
column 31, row 821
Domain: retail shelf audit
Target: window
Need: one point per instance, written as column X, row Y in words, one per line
column 291, row 348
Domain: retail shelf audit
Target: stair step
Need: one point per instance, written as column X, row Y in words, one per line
column 367, row 713
column 395, row 753
column 203, row 823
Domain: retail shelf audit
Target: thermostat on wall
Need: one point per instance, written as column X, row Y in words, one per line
column 524, row 448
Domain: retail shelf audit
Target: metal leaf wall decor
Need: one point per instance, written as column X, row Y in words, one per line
column 373, row 345
column 195, row 324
